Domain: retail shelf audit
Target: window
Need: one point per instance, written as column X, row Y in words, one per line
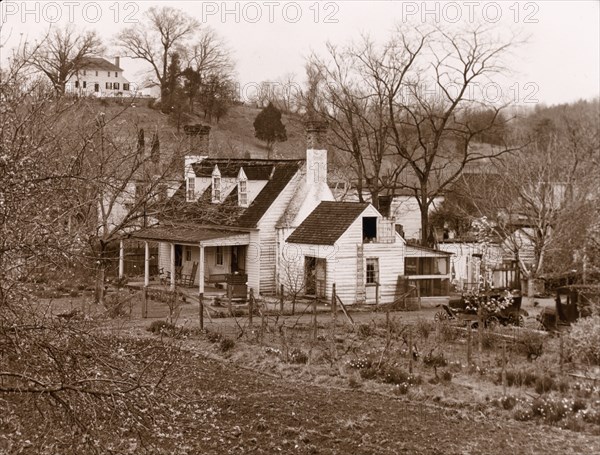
column 96, row 87
column 96, row 73
column 84, row 84
column 188, row 254
column 109, row 85
column 219, row 256
column 84, row 72
column 243, row 193
column 76, row 84
column 216, row 185
column 369, row 229
column 191, row 188
column 372, row 270
column 116, row 74
column 126, row 87
column 109, row 74
column 116, row 85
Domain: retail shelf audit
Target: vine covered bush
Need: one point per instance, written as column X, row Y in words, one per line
column 583, row 341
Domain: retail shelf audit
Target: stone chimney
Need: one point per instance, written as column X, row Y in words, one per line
column 118, row 62
column 199, row 138
column 316, row 153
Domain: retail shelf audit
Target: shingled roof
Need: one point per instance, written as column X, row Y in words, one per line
column 326, row 224
column 99, row 63
column 278, row 174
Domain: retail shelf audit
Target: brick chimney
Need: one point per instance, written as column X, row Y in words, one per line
column 118, row 62
column 316, row 153
column 199, row 138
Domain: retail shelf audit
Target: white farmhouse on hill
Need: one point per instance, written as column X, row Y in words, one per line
column 101, row 78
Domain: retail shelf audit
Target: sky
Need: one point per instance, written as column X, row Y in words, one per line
column 560, row 62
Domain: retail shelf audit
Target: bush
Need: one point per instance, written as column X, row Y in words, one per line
column 424, row 328
column 162, row 327
column 530, row 344
column 435, row 360
column 213, row 337
column 583, row 340
column 298, row 356
column 544, row 384
column 365, row 331
column 226, row 344
column 446, row 376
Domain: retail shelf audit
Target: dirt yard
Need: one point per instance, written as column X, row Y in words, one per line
column 278, row 389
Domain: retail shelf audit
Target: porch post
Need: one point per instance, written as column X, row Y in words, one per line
column 201, row 270
column 146, row 264
column 172, row 266
column 121, row 258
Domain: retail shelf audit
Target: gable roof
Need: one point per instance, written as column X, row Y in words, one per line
column 254, row 169
column 326, row 224
column 278, row 174
column 99, row 63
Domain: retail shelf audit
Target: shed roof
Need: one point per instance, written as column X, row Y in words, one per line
column 326, row 224
column 183, row 233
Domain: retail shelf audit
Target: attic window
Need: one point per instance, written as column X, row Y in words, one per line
column 369, row 229
column 243, row 196
column 216, row 185
column 191, row 188
column 242, row 188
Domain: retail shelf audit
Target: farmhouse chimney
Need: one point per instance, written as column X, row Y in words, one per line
column 118, row 62
column 199, row 138
column 316, row 153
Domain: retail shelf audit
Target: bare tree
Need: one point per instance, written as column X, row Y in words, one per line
column 353, row 101
column 429, row 113
column 62, row 52
column 164, row 31
column 64, row 381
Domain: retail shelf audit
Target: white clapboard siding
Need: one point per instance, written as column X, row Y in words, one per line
column 268, row 236
column 342, row 258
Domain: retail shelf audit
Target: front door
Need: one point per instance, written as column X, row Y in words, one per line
column 238, row 258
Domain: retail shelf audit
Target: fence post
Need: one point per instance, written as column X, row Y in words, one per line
column 469, row 344
column 504, row 367
column 201, row 309
column 145, row 302
column 229, row 297
column 479, row 334
column 333, row 305
column 250, row 307
column 410, row 352
column 315, row 320
column 562, row 356
column 376, row 293
column 281, row 295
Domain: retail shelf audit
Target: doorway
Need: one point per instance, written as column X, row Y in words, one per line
column 315, row 274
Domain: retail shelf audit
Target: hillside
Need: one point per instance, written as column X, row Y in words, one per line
column 232, row 137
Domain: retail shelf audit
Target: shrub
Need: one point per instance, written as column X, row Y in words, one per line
column 298, row 356
column 213, row 337
column 583, row 340
column 530, row 344
column 446, row 376
column 226, row 344
column 544, row 384
column 435, row 360
column 507, row 402
column 365, row 331
column 424, row 328
column 162, row 327
column 522, row 413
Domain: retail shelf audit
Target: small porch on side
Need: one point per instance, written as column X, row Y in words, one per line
column 210, row 260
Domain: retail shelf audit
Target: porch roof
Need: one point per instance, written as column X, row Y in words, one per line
column 189, row 234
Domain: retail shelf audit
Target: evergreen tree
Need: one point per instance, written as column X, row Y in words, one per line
column 268, row 126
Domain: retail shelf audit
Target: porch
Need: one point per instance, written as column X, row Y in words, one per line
column 208, row 261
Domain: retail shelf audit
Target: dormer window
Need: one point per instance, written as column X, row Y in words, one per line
column 216, row 185
column 191, row 189
column 242, row 188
